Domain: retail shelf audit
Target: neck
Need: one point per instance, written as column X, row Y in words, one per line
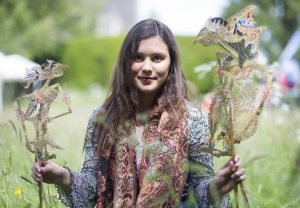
column 146, row 102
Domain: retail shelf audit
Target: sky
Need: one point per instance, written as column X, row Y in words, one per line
column 183, row 17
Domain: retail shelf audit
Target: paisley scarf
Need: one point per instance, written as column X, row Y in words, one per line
column 162, row 171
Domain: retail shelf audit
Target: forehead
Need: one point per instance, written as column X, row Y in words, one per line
column 153, row 45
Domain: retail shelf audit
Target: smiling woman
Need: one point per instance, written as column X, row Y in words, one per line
column 150, row 67
column 141, row 140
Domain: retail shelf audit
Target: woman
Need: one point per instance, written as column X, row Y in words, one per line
column 141, row 142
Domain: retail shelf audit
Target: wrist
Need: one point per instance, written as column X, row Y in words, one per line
column 63, row 178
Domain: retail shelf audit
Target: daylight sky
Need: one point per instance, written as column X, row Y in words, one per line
column 184, row 17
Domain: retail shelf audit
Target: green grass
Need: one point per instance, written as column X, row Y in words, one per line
column 16, row 161
column 269, row 158
column 270, row 182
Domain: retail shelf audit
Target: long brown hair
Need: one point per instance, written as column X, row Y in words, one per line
column 122, row 102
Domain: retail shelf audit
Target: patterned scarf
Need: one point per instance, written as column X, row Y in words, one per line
column 162, row 171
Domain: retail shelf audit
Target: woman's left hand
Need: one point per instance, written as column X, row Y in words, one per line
column 227, row 177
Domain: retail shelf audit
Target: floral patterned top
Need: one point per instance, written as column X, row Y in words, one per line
column 84, row 183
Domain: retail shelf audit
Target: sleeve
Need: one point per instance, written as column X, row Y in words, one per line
column 84, row 183
column 201, row 164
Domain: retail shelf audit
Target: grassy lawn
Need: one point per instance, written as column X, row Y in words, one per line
column 269, row 156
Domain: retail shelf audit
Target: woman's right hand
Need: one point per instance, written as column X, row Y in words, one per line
column 227, row 178
column 49, row 172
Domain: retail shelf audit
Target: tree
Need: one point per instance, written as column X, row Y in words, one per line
column 38, row 28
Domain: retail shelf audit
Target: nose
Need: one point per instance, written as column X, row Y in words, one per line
column 147, row 66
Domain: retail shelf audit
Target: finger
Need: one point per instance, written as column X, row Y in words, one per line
column 36, row 167
column 237, row 158
column 236, row 166
column 226, row 170
column 35, row 172
column 237, row 163
column 241, row 178
column 36, row 176
column 238, row 174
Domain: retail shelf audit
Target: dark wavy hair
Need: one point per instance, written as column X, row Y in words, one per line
column 122, row 102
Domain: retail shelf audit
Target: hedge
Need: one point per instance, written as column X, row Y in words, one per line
column 93, row 59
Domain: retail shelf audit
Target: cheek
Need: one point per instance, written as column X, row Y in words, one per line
column 163, row 70
column 135, row 67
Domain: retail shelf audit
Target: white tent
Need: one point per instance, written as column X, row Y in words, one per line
column 12, row 68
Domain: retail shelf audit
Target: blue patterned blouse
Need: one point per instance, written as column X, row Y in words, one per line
column 84, row 183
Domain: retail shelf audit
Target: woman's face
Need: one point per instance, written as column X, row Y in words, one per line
column 151, row 65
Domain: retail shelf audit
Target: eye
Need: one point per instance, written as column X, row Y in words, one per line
column 138, row 58
column 157, row 58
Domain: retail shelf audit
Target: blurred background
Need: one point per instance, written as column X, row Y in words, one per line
column 87, row 35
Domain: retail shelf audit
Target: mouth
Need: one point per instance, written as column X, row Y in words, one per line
column 146, row 79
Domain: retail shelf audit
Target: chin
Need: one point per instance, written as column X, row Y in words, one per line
column 148, row 91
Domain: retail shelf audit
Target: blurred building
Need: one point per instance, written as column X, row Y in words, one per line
column 12, row 69
column 116, row 17
column 183, row 17
column 289, row 74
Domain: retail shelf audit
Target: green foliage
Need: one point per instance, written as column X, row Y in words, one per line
column 269, row 158
column 38, row 29
column 193, row 55
column 93, row 59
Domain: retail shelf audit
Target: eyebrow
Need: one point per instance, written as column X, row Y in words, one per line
column 152, row 54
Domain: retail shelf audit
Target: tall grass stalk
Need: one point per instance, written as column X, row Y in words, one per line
column 269, row 156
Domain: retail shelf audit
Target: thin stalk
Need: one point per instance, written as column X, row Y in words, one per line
column 236, row 196
column 231, row 139
column 245, row 198
column 41, row 188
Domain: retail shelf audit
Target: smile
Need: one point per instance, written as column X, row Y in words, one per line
column 147, row 78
